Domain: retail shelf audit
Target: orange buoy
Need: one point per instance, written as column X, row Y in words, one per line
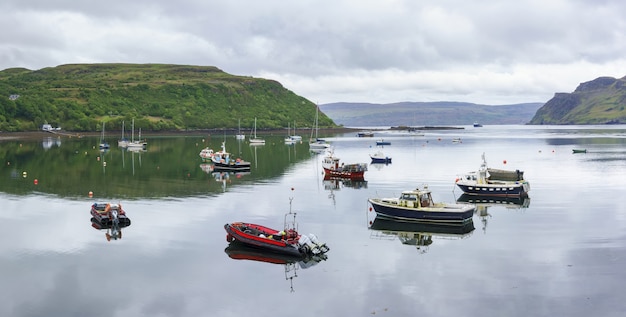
column 90, row 194
column 504, row 161
column 35, row 181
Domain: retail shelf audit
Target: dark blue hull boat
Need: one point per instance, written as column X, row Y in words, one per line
column 417, row 205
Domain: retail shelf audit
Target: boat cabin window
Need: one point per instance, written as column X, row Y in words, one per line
column 471, row 177
column 425, row 200
column 409, row 197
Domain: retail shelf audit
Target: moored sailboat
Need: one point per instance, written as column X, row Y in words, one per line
column 255, row 140
column 239, row 135
column 103, row 144
column 316, row 144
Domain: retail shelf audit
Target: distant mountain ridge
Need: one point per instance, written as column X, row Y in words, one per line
column 427, row 113
column 600, row 101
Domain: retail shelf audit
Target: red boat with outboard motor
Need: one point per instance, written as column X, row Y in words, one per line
column 107, row 214
column 286, row 240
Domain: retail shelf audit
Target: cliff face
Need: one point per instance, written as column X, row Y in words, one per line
column 600, row 101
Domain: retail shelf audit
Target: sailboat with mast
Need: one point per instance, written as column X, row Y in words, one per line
column 289, row 140
column 123, row 142
column 139, row 144
column 239, row 135
column 294, row 136
column 255, row 140
column 316, row 144
column 103, row 144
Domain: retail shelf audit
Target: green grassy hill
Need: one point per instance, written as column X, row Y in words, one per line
column 600, row 101
column 79, row 97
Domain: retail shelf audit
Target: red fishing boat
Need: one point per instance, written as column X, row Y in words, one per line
column 286, row 240
column 334, row 167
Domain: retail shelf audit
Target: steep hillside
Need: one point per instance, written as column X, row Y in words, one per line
column 427, row 113
column 600, row 101
column 79, row 97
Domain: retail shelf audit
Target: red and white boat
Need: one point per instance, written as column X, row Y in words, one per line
column 206, row 154
column 286, row 240
column 334, row 167
column 108, row 214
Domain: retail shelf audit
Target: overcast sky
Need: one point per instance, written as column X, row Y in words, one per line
column 379, row 51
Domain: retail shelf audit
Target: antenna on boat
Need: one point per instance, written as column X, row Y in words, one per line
column 293, row 222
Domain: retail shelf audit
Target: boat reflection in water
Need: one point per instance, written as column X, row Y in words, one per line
column 225, row 177
column 419, row 234
column 333, row 184
column 483, row 203
column 207, row 168
column 113, row 230
column 49, row 142
column 240, row 251
column 336, row 183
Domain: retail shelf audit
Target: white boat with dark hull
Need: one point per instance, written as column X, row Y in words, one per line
column 418, row 205
column 502, row 183
column 222, row 161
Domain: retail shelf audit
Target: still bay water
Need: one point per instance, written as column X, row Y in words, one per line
column 561, row 252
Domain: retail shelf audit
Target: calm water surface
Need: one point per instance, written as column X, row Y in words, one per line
column 561, row 252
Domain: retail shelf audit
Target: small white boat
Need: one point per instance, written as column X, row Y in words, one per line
column 206, row 154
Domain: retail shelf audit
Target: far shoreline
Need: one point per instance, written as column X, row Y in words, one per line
column 30, row 135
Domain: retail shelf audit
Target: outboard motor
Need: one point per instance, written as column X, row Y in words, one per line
column 312, row 245
column 115, row 220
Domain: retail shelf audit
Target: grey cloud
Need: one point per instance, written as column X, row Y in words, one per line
column 308, row 46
